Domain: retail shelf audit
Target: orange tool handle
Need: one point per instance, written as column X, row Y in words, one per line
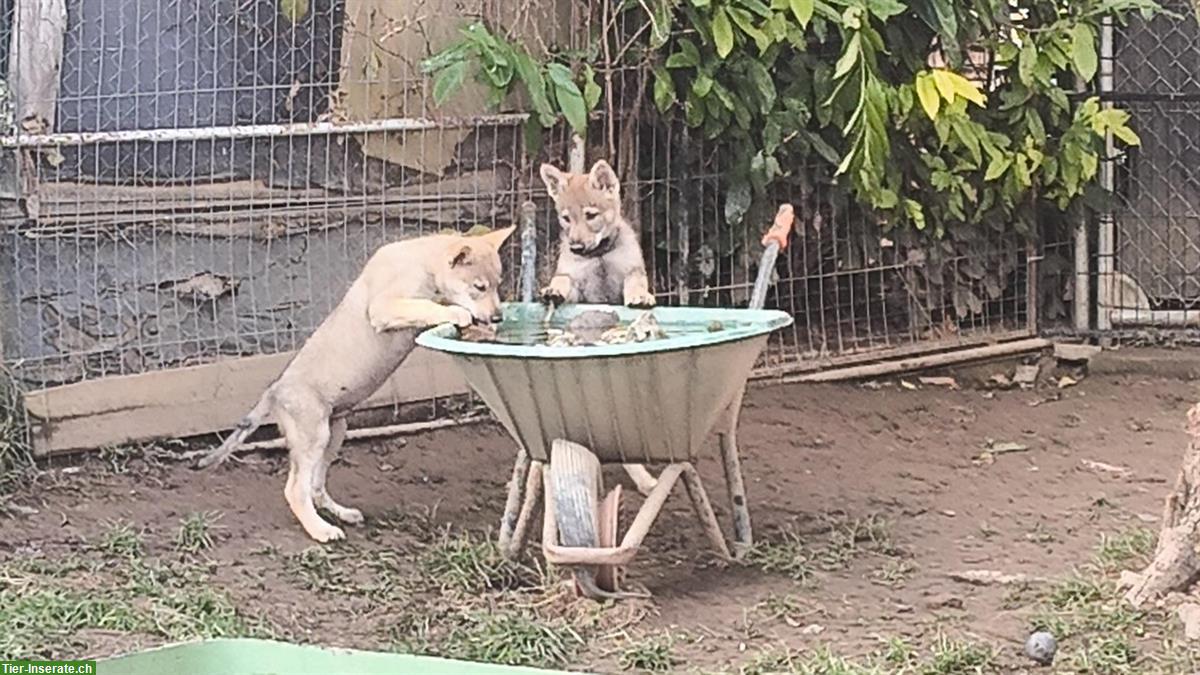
column 782, row 228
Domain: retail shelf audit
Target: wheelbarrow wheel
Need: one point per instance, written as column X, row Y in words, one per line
column 576, row 482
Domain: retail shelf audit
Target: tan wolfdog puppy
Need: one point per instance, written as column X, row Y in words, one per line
column 405, row 286
column 599, row 255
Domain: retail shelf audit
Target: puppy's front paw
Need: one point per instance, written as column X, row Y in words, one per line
column 558, row 290
column 460, row 316
column 379, row 324
column 640, row 300
column 551, row 296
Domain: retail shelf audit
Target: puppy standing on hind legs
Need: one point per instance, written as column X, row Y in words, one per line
column 405, row 286
column 599, row 254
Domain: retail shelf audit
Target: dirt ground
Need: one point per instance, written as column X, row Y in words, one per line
column 866, row 500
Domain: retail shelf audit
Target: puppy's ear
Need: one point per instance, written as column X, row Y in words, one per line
column 604, row 179
column 497, row 238
column 554, row 179
column 460, row 254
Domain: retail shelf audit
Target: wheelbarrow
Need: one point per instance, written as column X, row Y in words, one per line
column 572, row 409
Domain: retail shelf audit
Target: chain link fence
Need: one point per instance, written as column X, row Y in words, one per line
column 1147, row 250
column 202, row 181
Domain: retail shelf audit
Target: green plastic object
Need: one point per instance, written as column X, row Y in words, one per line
column 265, row 657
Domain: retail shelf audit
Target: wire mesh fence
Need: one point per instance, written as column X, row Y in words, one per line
column 203, row 181
column 1148, row 247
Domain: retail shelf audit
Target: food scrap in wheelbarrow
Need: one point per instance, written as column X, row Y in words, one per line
column 477, row 333
column 593, row 327
column 604, row 328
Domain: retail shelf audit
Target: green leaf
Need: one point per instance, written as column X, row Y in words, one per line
column 1027, row 63
column 763, row 84
column 664, row 90
column 1083, row 51
column 1126, row 135
column 886, row 199
column 965, row 131
column 660, row 23
column 535, row 85
column 1034, row 121
column 687, row 56
column 915, row 213
column 885, row 9
column 702, row 85
column 939, row 15
column 448, row 80
column 945, row 83
column 849, row 57
column 997, row 167
column 823, row 149
column 927, row 92
column 802, row 10
column 1089, row 163
column 570, row 99
column 591, row 90
column 847, row 161
column 445, row 58
column 722, row 33
column 746, row 22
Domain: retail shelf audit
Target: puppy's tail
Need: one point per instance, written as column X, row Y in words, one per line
column 253, row 420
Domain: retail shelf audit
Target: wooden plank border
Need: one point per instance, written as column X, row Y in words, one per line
column 197, row 400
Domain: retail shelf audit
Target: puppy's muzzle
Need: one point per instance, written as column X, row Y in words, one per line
column 491, row 319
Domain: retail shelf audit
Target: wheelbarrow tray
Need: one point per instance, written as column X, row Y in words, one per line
column 265, row 657
column 638, row 402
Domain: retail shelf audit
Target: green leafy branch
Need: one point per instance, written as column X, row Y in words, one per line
column 551, row 87
column 914, row 143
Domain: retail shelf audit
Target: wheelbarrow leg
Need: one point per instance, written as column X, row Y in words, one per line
column 743, row 535
column 512, row 505
column 533, row 492
column 704, row 510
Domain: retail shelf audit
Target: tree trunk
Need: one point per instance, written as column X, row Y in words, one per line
column 1176, row 563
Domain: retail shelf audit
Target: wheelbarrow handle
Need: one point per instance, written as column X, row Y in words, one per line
column 774, row 241
column 781, row 229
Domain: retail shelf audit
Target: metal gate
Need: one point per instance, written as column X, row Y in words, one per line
column 1148, row 245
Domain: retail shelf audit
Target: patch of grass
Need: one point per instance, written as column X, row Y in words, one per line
column 1084, row 604
column 649, row 654
column 825, row 662
column 778, row 660
column 1112, row 654
column 472, row 562
column 16, row 451
column 511, row 638
column 789, row 554
column 782, row 607
column 959, row 657
column 196, row 532
column 46, row 604
column 894, row 572
column 945, row 657
column 318, row 569
column 1120, row 550
column 786, row 555
column 121, row 540
column 1097, row 631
